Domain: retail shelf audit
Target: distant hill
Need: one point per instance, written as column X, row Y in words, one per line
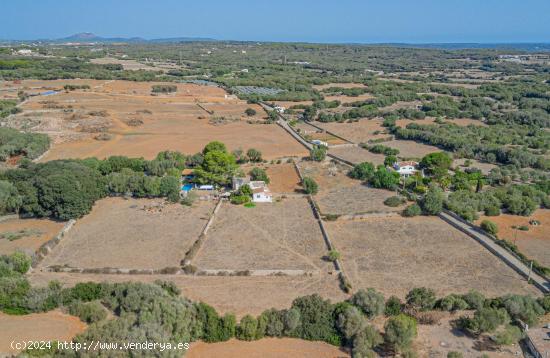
column 90, row 37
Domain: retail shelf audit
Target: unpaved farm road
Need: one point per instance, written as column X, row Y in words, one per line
column 540, row 282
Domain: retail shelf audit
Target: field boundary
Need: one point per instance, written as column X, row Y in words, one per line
column 204, row 108
column 489, row 243
column 49, row 245
column 331, row 133
column 197, row 245
column 344, row 280
column 8, row 217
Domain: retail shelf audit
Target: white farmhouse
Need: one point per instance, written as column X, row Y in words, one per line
column 260, row 191
column 406, row 169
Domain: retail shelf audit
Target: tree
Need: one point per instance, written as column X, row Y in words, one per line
column 489, row 226
column 316, row 319
column 218, row 167
column 509, row 335
column 433, row 200
column 310, row 186
column 390, row 160
column 370, row 302
column 486, row 319
column 364, row 341
column 10, row 200
column 384, row 178
column 250, row 112
column 350, row 322
column 436, row 164
column 214, row 146
column 363, row 171
column 400, row 331
column 247, row 328
column 421, row 298
column 318, row 153
column 254, row 155
column 170, row 187
column 259, row 174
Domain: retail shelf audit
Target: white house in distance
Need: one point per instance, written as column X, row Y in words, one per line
column 406, row 169
column 260, row 191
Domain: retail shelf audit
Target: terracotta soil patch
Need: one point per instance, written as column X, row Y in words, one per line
column 357, row 155
column 349, row 99
column 132, row 234
column 131, row 65
column 411, row 149
column 283, row 178
column 534, row 243
column 240, row 295
column 266, row 348
column 170, row 121
column 50, row 326
column 360, row 131
column 39, row 231
column 395, row 254
column 235, row 110
column 282, row 235
column 341, row 195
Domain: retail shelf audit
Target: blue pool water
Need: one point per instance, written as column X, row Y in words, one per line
column 187, row 187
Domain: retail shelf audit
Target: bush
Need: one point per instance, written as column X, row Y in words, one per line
column 333, row 255
column 474, row 299
column 250, row 112
column 432, row 204
column 318, row 153
column 454, row 355
column 254, row 155
column 394, row 201
column 544, row 302
column 90, row 312
column 393, row 306
column 363, row 171
column 310, row 186
column 400, row 331
column 486, row 319
column 412, row 210
column 453, row 303
column 317, row 322
column 247, row 328
column 364, row 341
column 259, row 174
column 369, row 301
column 525, row 308
column 350, row 321
column 489, row 227
column 164, row 88
column 421, row 298
column 509, row 335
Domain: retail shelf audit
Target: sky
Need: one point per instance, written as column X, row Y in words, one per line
column 331, row 21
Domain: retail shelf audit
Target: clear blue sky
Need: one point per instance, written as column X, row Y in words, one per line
column 283, row 20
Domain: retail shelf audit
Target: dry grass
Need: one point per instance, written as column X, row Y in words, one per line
column 360, row 131
column 396, row 254
column 175, row 122
column 272, row 236
column 120, row 233
column 341, row 195
column 266, row 348
column 357, row 155
column 340, row 85
column 45, row 230
column 534, row 243
column 50, row 326
column 411, row 149
column 475, row 164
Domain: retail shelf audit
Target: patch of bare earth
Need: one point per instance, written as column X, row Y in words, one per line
column 534, row 243
column 131, row 233
column 474, row 164
column 266, row 348
column 360, row 131
column 49, row 326
column 356, row 155
column 395, row 254
column 38, row 231
column 411, row 149
column 277, row 236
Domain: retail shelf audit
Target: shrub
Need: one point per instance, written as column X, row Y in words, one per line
column 310, row 186
column 333, row 255
column 393, row 306
column 412, row 210
column 486, row 319
column 363, row 171
column 421, row 298
column 164, row 88
column 400, row 331
column 317, row 323
column 369, row 301
column 350, row 321
column 90, row 312
column 259, row 174
column 454, row 355
column 250, row 112
column 489, row 227
column 544, row 302
column 254, row 155
column 509, row 335
column 394, row 201
column 318, row 153
column 432, row 204
column 84, row 291
column 364, row 341
column 453, row 303
column 525, row 308
column 246, row 330
column 492, row 211
column 474, row 299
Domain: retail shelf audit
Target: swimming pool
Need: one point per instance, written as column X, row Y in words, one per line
column 187, row 187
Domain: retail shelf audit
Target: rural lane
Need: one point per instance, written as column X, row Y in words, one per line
column 485, row 240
